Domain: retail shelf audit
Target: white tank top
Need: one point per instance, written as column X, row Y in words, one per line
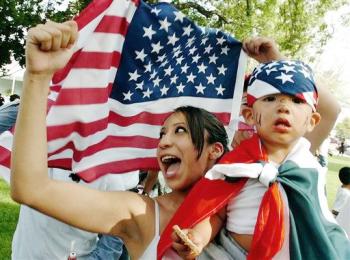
column 151, row 250
column 242, row 211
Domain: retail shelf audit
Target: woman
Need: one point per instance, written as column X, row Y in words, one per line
column 137, row 219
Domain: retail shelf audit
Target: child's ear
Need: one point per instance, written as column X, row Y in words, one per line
column 217, row 149
column 314, row 120
column 247, row 113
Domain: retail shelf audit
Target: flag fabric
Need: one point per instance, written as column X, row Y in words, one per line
column 293, row 78
column 293, row 222
column 133, row 64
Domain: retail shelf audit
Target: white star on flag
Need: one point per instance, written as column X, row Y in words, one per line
column 213, row 58
column 220, row 90
column 187, row 30
column 191, row 77
column 180, row 88
column 179, row 16
column 172, row 39
column 147, row 93
column 148, row 32
column 164, row 90
column 202, row 68
column 140, row 55
column 127, row 96
column 222, row 69
column 156, row 47
column 164, row 24
column 284, row 77
column 211, row 79
column 134, row 75
column 200, row 88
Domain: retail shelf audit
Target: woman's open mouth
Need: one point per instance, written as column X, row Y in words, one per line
column 171, row 165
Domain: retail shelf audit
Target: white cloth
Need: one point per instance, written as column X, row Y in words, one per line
column 242, row 211
column 151, row 250
column 344, row 215
column 38, row 236
column 341, row 198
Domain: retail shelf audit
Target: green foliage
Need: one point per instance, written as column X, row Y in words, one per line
column 343, row 129
column 8, row 220
column 17, row 16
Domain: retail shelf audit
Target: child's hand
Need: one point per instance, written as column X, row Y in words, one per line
column 262, row 49
column 241, row 136
column 184, row 243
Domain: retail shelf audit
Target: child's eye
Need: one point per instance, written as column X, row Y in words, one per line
column 269, row 98
column 180, row 129
column 297, row 100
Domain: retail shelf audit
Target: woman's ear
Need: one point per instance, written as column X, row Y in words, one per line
column 247, row 113
column 217, row 149
column 314, row 120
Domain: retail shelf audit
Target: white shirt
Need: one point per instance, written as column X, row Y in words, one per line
column 38, row 236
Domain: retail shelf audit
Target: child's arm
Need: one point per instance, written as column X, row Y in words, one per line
column 262, row 49
column 329, row 109
column 200, row 236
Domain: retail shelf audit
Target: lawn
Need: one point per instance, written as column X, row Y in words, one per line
column 9, row 210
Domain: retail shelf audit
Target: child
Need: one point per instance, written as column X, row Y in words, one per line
column 284, row 193
column 341, row 207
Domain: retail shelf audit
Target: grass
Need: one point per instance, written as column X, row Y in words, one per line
column 9, row 210
column 8, row 219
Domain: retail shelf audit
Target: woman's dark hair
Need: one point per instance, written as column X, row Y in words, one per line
column 199, row 120
column 344, row 175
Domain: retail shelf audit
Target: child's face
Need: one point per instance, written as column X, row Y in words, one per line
column 281, row 119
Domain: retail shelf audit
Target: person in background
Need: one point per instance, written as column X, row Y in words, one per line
column 32, row 240
column 341, row 206
column 2, row 100
column 8, row 113
column 38, row 236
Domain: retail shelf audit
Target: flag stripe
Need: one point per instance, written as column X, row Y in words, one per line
column 113, row 24
column 97, row 60
column 111, row 142
column 4, row 158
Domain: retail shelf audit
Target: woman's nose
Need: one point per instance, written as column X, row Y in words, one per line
column 165, row 141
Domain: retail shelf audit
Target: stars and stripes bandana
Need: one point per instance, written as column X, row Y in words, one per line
column 293, row 222
column 293, row 78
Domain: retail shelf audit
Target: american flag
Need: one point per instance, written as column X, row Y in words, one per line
column 133, row 64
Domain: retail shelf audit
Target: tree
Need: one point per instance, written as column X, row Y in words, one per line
column 18, row 16
column 343, row 129
column 295, row 24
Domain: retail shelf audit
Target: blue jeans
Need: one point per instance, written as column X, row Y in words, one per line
column 108, row 248
column 8, row 117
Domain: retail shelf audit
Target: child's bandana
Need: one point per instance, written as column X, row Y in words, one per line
column 293, row 78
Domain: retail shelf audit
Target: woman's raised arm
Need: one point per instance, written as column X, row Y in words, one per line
column 48, row 49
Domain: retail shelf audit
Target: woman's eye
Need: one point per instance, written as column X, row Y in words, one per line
column 180, row 129
column 161, row 134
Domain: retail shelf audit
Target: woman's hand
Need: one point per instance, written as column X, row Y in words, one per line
column 49, row 47
column 262, row 49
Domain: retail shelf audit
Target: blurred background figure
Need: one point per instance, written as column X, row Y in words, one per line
column 341, row 207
